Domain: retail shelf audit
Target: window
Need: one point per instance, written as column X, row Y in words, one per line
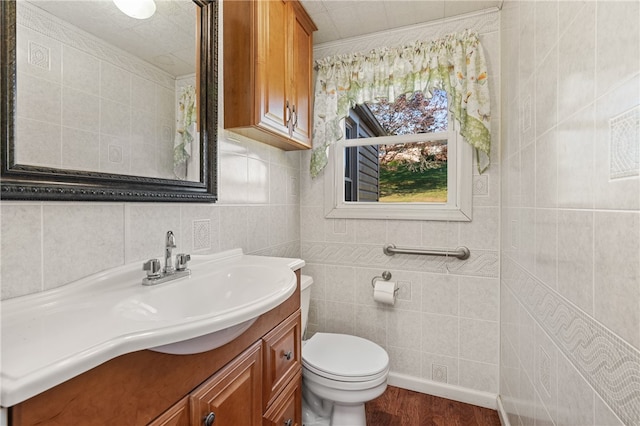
column 402, row 160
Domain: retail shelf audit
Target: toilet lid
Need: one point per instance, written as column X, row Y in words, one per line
column 344, row 357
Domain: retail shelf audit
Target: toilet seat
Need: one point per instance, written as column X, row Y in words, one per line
column 344, row 358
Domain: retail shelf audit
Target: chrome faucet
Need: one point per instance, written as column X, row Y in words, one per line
column 169, row 245
column 155, row 275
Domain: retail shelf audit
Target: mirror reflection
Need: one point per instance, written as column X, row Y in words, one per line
column 102, row 90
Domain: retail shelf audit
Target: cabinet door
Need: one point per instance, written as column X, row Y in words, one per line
column 287, row 409
column 300, row 69
column 272, row 65
column 178, row 415
column 282, row 357
column 233, row 394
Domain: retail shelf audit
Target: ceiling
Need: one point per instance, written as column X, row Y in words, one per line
column 167, row 38
column 338, row 19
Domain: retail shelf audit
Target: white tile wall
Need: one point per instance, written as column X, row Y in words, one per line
column 50, row 244
column 570, row 252
column 447, row 312
column 556, row 198
column 46, row 244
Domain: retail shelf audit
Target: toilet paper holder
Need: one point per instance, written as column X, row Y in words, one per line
column 386, row 276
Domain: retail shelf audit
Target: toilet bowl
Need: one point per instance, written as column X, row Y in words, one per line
column 339, row 374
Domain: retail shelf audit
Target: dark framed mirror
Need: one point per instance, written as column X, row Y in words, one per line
column 117, row 143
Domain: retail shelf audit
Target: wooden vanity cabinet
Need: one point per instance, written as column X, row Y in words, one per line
column 233, row 395
column 251, row 381
column 178, row 415
column 264, row 378
column 268, row 55
column 236, row 394
column 282, row 358
column 287, row 408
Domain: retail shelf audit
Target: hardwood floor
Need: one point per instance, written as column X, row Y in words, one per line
column 400, row 407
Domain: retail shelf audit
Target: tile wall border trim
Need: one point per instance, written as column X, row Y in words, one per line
column 481, row 263
column 608, row 363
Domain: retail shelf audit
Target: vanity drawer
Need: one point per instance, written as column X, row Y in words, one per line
column 282, row 357
column 287, row 408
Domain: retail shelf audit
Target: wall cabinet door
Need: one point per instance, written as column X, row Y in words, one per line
column 301, row 58
column 267, row 63
column 272, row 66
column 232, row 396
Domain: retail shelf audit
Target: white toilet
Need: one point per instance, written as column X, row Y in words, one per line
column 339, row 373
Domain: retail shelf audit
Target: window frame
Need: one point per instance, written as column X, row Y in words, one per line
column 459, row 181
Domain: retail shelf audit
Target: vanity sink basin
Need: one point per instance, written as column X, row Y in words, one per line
column 227, row 291
column 232, row 288
column 52, row 336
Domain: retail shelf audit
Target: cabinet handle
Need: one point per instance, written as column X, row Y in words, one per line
column 288, row 422
column 295, row 120
column 288, row 355
column 209, row 419
column 287, row 114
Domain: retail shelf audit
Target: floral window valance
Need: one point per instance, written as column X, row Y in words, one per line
column 454, row 63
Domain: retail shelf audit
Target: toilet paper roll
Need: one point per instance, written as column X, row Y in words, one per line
column 385, row 292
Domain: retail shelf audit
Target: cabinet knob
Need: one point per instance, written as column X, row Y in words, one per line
column 209, row 419
column 288, row 422
column 288, row 355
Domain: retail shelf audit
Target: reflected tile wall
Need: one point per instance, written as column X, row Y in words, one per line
column 570, row 254
column 93, row 106
column 444, row 326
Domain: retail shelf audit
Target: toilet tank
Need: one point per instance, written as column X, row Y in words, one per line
column 305, row 299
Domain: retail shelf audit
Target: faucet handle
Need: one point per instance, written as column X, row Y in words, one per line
column 152, row 266
column 181, row 261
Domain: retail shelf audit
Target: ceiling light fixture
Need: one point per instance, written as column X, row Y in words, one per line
column 139, row 9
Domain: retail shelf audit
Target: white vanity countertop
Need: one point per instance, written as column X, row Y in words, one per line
column 53, row 336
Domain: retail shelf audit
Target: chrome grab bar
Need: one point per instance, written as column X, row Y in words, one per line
column 461, row 253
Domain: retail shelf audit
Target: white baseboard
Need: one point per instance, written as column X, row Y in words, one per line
column 504, row 418
column 444, row 390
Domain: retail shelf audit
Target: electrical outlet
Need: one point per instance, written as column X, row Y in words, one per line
column 439, row 373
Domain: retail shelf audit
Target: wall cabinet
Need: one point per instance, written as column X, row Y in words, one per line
column 268, row 54
column 253, row 380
